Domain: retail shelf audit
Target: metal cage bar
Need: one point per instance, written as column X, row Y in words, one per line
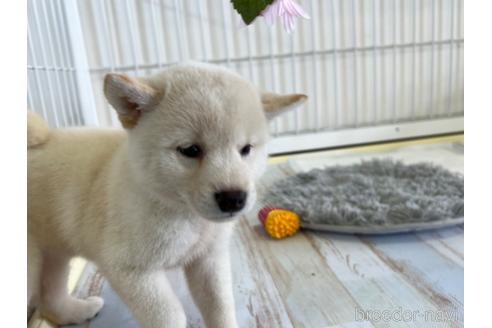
column 359, row 66
column 51, row 54
column 63, row 60
column 44, row 59
column 451, row 52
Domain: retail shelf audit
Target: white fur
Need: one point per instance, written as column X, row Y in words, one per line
column 135, row 206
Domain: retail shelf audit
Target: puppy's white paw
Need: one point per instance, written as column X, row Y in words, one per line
column 74, row 311
column 94, row 305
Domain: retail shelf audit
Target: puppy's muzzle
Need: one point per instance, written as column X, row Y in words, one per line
column 231, row 201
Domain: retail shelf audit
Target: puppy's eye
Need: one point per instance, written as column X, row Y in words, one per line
column 193, row 151
column 246, row 150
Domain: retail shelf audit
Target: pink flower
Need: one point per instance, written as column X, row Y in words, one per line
column 288, row 10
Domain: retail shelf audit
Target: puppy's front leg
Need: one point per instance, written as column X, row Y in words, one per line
column 150, row 297
column 210, row 282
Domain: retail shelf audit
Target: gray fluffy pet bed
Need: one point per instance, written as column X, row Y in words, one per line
column 376, row 195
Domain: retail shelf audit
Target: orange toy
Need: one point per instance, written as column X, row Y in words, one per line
column 279, row 223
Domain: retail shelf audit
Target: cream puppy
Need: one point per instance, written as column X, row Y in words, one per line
column 165, row 193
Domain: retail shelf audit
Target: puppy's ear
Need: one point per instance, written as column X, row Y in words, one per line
column 129, row 97
column 275, row 104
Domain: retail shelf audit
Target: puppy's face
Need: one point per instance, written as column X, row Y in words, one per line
column 197, row 134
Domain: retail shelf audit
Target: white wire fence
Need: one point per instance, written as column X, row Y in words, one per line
column 363, row 63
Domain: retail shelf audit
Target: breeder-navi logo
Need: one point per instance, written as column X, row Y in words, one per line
column 405, row 315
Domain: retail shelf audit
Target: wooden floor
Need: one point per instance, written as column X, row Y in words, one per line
column 330, row 280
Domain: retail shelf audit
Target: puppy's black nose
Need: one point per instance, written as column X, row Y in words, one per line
column 231, row 201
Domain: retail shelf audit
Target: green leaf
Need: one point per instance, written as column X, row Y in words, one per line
column 250, row 9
